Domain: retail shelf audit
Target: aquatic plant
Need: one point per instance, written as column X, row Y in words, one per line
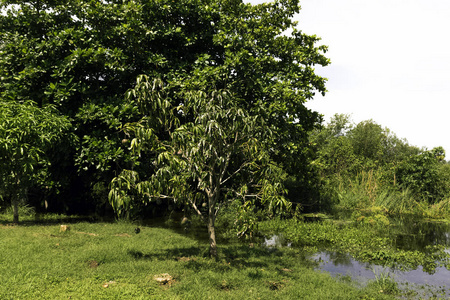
column 374, row 244
column 384, row 282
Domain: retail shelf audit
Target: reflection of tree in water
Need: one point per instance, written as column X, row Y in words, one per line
column 340, row 259
column 416, row 235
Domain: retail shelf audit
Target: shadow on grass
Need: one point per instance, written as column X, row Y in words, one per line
column 6, row 220
column 230, row 256
column 165, row 254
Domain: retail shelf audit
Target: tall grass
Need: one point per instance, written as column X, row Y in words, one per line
column 24, row 210
column 384, row 282
column 367, row 190
column 358, row 192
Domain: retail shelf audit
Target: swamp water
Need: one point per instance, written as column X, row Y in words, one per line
column 408, row 235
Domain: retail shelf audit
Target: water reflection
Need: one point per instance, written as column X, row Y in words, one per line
column 275, row 241
column 407, row 235
column 343, row 264
column 414, row 235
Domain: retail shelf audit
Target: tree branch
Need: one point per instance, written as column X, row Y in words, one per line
column 196, row 209
column 235, row 172
column 241, row 195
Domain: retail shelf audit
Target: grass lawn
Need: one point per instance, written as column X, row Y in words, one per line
column 111, row 261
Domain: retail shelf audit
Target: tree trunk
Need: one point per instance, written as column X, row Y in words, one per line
column 15, row 199
column 212, row 200
column 15, row 205
column 212, row 234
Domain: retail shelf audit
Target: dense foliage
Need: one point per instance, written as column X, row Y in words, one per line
column 82, row 56
column 216, row 158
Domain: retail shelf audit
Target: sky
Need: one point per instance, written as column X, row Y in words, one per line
column 390, row 62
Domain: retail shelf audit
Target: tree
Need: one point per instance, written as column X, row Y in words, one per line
column 335, row 154
column 425, row 175
column 345, row 148
column 27, row 135
column 215, row 158
column 378, row 146
column 231, row 122
column 82, row 56
column 346, row 154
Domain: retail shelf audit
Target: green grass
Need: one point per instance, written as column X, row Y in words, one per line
column 110, row 261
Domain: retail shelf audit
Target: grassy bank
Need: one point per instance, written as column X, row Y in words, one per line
column 111, row 261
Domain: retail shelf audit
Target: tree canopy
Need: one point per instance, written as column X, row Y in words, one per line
column 219, row 155
column 354, row 161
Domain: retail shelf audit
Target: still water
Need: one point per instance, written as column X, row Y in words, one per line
column 418, row 280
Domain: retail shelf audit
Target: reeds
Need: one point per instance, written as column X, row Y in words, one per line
column 367, row 189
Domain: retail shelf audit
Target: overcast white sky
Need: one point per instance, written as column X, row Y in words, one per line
column 390, row 62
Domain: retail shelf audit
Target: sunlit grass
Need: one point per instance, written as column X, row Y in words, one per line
column 384, row 282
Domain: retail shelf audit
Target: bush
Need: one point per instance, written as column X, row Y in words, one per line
column 425, row 175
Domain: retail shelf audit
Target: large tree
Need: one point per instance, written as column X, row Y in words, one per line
column 233, row 123
column 83, row 55
column 425, row 174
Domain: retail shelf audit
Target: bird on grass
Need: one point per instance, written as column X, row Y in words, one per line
column 137, row 230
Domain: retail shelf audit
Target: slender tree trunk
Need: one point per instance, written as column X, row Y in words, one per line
column 211, row 224
column 15, row 199
column 17, row 196
column 212, row 234
column 15, row 205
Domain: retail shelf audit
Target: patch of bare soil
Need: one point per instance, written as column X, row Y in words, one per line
column 92, row 264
